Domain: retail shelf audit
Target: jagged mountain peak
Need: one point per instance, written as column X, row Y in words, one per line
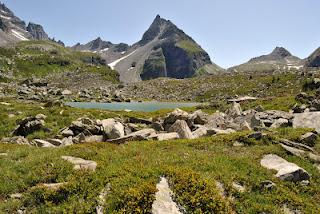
column 280, row 52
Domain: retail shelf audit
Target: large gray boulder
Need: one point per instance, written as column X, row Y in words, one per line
column 182, row 128
column 235, row 110
column 177, row 114
column 307, row 120
column 112, row 128
column 285, row 170
column 29, row 125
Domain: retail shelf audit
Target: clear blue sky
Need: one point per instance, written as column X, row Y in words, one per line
column 231, row 31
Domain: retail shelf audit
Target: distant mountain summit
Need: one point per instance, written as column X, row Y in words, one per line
column 163, row 51
column 313, row 61
column 279, row 59
column 13, row 29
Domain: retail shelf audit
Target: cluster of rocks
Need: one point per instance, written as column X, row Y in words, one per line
column 310, row 103
column 41, row 90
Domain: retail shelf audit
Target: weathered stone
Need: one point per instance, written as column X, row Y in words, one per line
column 217, row 120
column 200, row 132
column 112, row 128
column 66, row 92
column 43, row 143
column 67, row 132
column 139, row 120
column 235, row 110
column 80, row 163
column 157, row 126
column 30, row 125
column 3, row 154
column 198, row 117
column 53, row 186
column 165, row 136
column 177, row 114
column 94, row 139
column 307, row 120
column 16, row 196
column 143, row 134
column 267, row 185
column 280, row 123
column 164, row 203
column 285, row 170
column 55, row 142
column 16, row 140
column 67, row 141
column 237, row 186
column 309, row 139
column 220, row 132
column 181, row 127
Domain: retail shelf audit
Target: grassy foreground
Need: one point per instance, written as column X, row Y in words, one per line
column 193, row 167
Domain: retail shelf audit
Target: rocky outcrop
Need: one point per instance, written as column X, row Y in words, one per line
column 164, row 203
column 30, row 125
column 81, row 164
column 285, row 170
column 13, row 29
column 37, row 32
column 313, row 61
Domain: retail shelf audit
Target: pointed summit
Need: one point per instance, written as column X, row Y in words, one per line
column 280, row 52
column 154, row 30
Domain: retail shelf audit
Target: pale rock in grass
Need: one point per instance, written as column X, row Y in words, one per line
column 80, row 163
column 16, row 140
column 3, row 154
column 177, row 114
column 52, row 186
column 164, row 203
column 200, row 132
column 55, row 142
column 198, row 117
column 220, row 131
column 235, row 110
column 94, row 139
column 280, row 123
column 113, row 129
column 67, row 132
column 67, row 141
column 165, row 136
column 16, row 196
column 143, row 134
column 43, row 143
column 285, row 170
column 237, row 186
column 307, row 120
column 66, row 92
column 181, row 127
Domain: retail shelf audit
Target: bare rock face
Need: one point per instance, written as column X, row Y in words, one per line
column 80, row 163
column 181, row 127
column 307, row 120
column 285, row 170
column 112, row 129
column 37, row 31
column 164, row 203
column 314, row 59
column 29, row 125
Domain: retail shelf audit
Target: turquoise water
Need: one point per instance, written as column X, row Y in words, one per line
column 133, row 106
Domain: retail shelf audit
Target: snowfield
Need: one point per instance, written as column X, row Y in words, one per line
column 19, row 35
column 112, row 65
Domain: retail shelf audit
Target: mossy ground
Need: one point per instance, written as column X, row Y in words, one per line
column 42, row 58
column 192, row 166
column 133, row 171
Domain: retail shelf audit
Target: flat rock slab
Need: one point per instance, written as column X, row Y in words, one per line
column 3, row 154
column 285, row 170
column 307, row 120
column 164, row 203
column 80, row 163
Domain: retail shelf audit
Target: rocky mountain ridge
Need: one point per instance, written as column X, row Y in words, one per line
column 279, row 59
column 13, row 29
column 164, row 51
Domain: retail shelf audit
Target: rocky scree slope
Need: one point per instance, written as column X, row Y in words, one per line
column 279, row 59
column 163, row 51
column 13, row 29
